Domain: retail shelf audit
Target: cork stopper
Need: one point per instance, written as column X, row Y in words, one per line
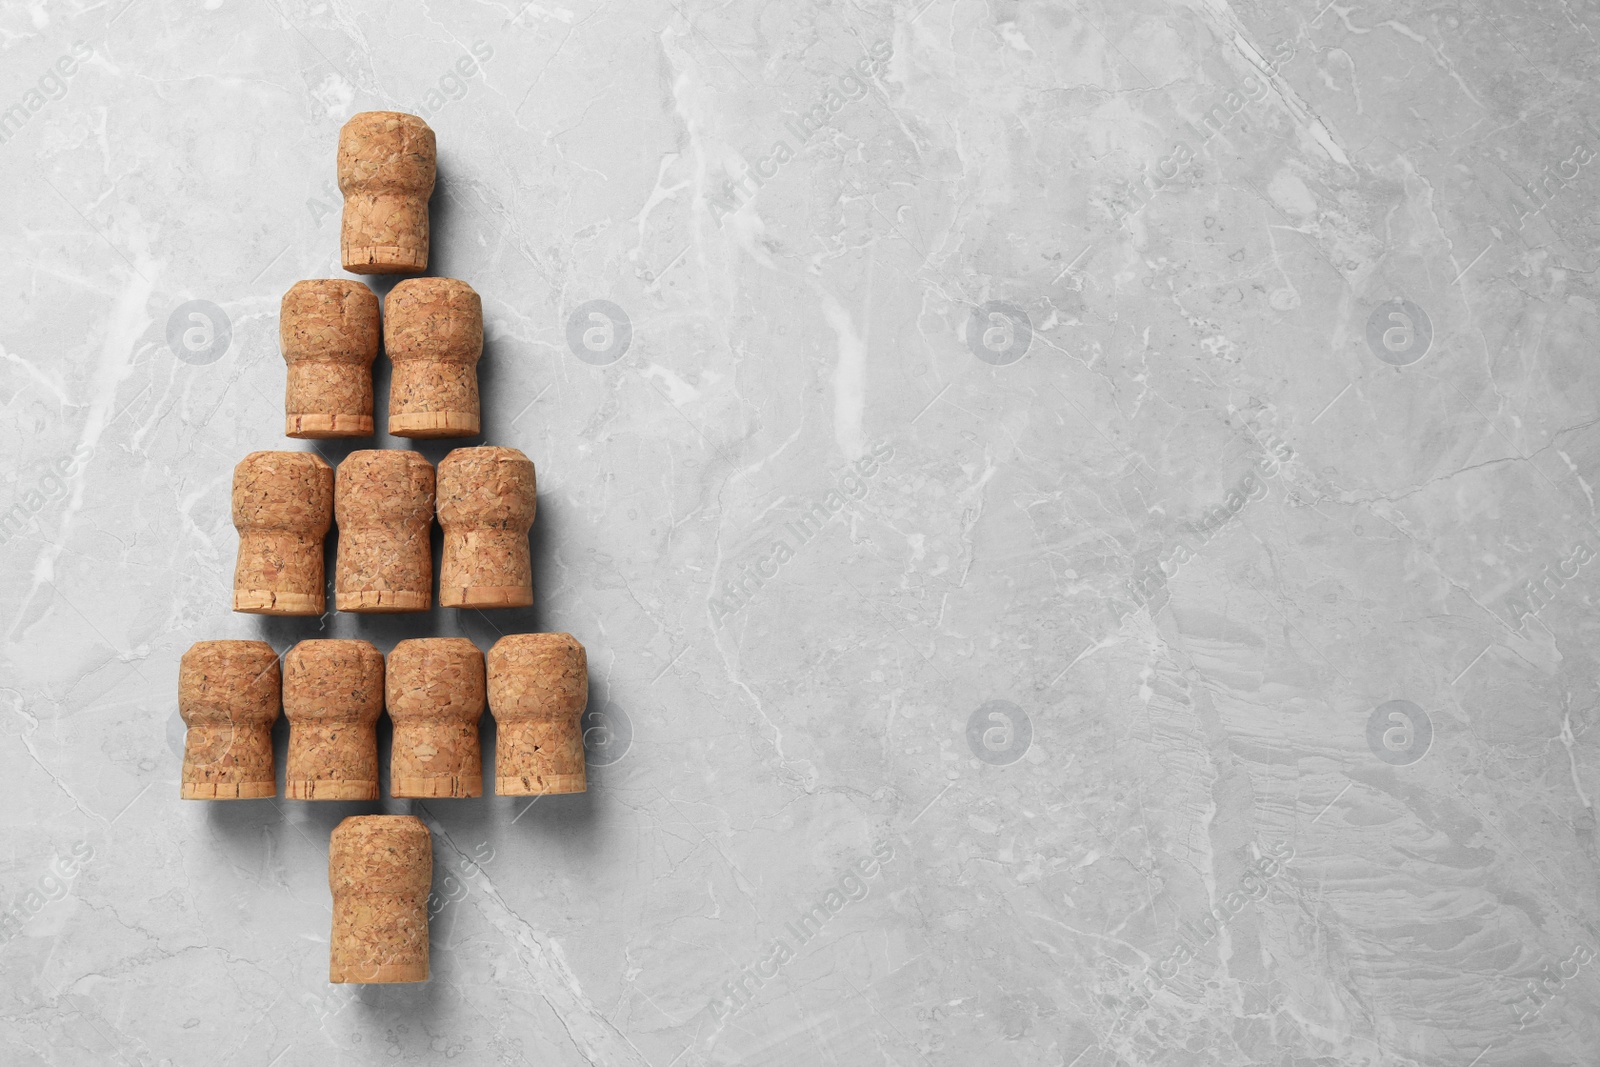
column 228, row 696
column 282, row 507
column 433, row 332
column 487, row 498
column 435, row 695
column 383, row 500
column 538, row 686
column 387, row 162
column 328, row 331
column 333, row 695
column 380, row 870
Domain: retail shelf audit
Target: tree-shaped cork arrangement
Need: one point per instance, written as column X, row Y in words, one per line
column 384, row 504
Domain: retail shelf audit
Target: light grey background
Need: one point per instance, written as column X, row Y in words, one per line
column 1334, row 367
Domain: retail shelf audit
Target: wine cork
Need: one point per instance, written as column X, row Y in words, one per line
column 538, row 686
column 433, row 333
column 380, row 870
column 387, row 163
column 328, row 331
column 228, row 696
column 282, row 507
column 383, row 501
column 487, row 498
column 435, row 694
column 332, row 695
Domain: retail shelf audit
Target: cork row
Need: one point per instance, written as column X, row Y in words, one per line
column 333, row 692
column 385, row 501
column 432, row 330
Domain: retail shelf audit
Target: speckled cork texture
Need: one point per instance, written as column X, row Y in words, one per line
column 328, row 331
column 282, row 508
column 228, row 696
column 380, row 871
column 538, row 686
column 433, row 333
column 387, row 164
column 332, row 695
column 435, row 696
column 487, row 498
column 383, row 500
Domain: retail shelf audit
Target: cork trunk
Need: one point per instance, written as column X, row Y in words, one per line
column 282, row 507
column 487, row 500
column 538, row 687
column 380, row 870
column 433, row 333
column 328, row 331
column 383, row 500
column 435, row 695
column 387, row 166
column 228, row 696
column 333, row 695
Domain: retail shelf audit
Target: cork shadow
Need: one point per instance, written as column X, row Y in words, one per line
column 443, row 213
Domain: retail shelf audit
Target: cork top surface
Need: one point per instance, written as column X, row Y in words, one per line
column 487, row 486
column 333, row 679
column 435, row 677
column 380, row 854
column 384, row 487
column 228, row 681
column 538, row 674
column 283, row 490
column 387, row 151
column 433, row 318
column 329, row 320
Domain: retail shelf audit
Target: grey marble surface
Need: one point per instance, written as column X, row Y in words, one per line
column 1195, row 660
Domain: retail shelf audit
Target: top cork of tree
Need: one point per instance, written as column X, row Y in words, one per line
column 387, row 161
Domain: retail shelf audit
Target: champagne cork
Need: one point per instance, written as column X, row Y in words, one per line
column 380, row 869
column 433, row 333
column 333, row 695
column 282, row 507
column 538, row 686
column 435, row 696
column 487, row 499
column 387, row 162
column 383, row 501
column 328, row 331
column 228, row 696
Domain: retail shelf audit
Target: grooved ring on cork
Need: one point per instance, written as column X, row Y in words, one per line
column 383, row 500
column 387, row 164
column 328, row 331
column 380, row 870
column 433, row 334
column 435, row 694
column 332, row 696
column 538, row 686
column 282, row 507
column 228, row 697
column 487, row 500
